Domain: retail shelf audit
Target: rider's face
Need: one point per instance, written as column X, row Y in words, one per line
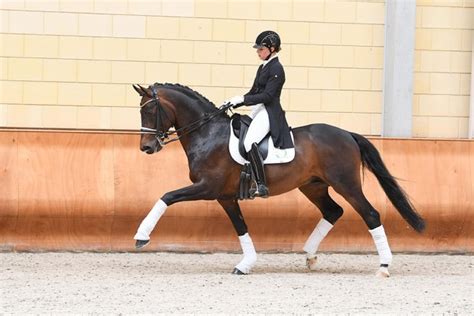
column 263, row 52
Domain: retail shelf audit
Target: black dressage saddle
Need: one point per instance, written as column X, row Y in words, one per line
column 240, row 127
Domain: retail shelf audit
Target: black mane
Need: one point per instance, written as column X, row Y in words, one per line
column 187, row 91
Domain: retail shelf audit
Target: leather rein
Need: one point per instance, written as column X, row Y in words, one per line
column 163, row 137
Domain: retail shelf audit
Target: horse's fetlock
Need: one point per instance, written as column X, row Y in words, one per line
column 373, row 219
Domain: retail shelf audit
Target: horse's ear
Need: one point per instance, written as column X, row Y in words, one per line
column 139, row 89
column 142, row 91
column 145, row 91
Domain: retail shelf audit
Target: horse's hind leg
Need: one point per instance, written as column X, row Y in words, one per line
column 354, row 195
column 317, row 193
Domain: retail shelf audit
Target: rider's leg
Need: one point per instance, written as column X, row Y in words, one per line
column 258, row 129
column 258, row 169
column 255, row 109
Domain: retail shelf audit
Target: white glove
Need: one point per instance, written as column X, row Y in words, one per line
column 238, row 99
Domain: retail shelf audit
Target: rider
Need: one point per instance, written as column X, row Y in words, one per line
column 267, row 113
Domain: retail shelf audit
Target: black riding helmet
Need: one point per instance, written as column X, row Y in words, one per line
column 268, row 39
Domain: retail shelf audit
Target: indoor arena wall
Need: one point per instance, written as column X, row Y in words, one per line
column 89, row 191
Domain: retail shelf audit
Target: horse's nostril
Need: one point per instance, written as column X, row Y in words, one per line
column 148, row 149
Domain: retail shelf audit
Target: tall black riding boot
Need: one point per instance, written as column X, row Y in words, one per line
column 257, row 167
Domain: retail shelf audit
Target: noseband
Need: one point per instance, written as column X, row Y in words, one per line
column 163, row 137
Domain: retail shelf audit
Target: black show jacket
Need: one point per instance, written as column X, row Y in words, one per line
column 266, row 89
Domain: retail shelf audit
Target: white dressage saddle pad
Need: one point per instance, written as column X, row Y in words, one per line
column 274, row 156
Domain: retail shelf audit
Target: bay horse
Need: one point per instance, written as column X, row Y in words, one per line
column 324, row 156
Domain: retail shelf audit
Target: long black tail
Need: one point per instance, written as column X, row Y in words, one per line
column 371, row 160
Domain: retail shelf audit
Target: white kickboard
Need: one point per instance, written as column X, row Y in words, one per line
column 275, row 155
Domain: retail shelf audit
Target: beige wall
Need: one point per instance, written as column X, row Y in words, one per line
column 444, row 31
column 71, row 63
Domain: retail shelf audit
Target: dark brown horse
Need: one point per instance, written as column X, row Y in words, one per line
column 325, row 156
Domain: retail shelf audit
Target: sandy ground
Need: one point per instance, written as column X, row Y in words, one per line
column 137, row 283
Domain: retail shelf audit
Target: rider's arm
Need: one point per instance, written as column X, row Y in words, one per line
column 272, row 88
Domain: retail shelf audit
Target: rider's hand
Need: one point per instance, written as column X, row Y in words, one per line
column 237, row 100
column 225, row 106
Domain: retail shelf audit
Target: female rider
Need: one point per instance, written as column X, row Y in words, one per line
column 267, row 113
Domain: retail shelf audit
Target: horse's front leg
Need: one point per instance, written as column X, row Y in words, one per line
column 197, row 191
column 232, row 209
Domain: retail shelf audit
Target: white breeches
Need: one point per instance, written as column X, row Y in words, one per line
column 259, row 127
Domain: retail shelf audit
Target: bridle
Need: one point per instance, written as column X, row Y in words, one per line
column 163, row 137
column 160, row 135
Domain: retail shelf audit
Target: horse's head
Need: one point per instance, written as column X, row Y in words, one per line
column 155, row 120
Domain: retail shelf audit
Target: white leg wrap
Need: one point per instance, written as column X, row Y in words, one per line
column 250, row 256
column 318, row 234
column 380, row 240
column 149, row 223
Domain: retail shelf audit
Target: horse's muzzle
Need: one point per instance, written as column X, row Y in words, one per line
column 151, row 147
column 148, row 149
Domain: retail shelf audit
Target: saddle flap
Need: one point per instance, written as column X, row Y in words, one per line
column 240, row 122
column 240, row 125
column 272, row 155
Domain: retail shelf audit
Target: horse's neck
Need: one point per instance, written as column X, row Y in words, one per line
column 205, row 137
column 189, row 112
column 186, row 109
column 186, row 115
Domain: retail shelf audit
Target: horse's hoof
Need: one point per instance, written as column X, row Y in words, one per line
column 237, row 272
column 311, row 263
column 141, row 243
column 382, row 273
